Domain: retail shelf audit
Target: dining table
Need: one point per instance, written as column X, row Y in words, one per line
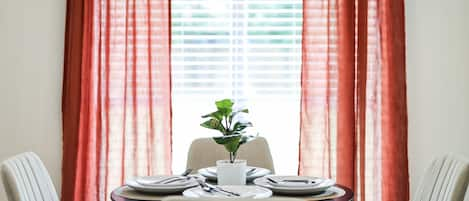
column 117, row 195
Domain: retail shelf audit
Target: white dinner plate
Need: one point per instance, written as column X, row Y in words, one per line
column 154, row 181
column 211, row 173
column 255, row 192
column 321, row 186
column 162, row 189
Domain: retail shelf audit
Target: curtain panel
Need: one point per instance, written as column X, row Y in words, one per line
column 353, row 104
column 116, row 100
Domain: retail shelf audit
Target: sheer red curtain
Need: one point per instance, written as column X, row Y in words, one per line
column 116, row 95
column 353, row 106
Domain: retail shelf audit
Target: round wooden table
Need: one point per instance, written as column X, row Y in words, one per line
column 347, row 197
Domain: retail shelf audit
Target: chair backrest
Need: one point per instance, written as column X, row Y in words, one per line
column 204, row 152
column 26, row 179
column 466, row 197
column 445, row 180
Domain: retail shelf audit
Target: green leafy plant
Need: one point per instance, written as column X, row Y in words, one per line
column 225, row 121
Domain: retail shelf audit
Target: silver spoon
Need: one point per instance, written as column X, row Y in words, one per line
column 205, row 188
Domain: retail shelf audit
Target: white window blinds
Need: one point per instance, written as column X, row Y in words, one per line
column 247, row 50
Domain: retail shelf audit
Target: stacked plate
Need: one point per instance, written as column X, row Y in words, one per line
column 295, row 185
column 251, row 173
column 254, row 192
column 162, row 184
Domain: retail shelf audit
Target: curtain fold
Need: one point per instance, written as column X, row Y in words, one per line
column 353, row 106
column 116, row 100
column 346, row 119
column 394, row 112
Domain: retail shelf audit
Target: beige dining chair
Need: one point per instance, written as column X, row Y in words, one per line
column 26, row 179
column 445, row 180
column 204, row 152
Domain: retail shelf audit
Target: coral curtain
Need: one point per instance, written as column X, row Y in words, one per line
column 116, row 95
column 353, row 105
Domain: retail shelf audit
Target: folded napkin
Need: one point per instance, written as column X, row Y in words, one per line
column 294, row 182
column 159, row 181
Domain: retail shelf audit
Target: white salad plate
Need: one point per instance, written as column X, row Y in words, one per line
column 211, row 173
column 144, row 184
column 254, row 192
column 284, row 185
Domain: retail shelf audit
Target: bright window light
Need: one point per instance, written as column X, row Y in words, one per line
column 247, row 50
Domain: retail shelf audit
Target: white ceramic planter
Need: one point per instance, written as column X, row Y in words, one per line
column 231, row 173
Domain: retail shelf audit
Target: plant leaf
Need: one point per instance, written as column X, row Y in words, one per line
column 246, row 138
column 231, row 142
column 225, row 103
column 224, row 107
column 241, row 126
column 213, row 124
column 217, row 115
column 237, row 112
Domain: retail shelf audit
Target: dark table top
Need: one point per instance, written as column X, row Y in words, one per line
column 116, row 197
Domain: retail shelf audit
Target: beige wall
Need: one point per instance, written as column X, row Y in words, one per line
column 31, row 46
column 438, row 80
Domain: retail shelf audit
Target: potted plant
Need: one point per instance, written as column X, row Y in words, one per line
column 230, row 123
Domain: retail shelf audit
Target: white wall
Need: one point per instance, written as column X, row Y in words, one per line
column 438, row 80
column 31, row 56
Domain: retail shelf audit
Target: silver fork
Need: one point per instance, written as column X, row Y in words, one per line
column 173, row 179
column 211, row 189
column 226, row 191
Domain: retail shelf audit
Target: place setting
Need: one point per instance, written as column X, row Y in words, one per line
column 206, row 190
column 164, row 184
column 224, row 181
column 194, row 186
column 232, row 177
column 314, row 188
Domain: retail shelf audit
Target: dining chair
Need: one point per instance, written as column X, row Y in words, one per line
column 445, row 180
column 26, row 179
column 204, row 152
column 466, row 197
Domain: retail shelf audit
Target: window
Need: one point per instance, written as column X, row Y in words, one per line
column 247, row 50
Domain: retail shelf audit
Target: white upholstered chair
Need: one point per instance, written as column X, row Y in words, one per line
column 445, row 180
column 26, row 179
column 204, row 152
column 466, row 198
